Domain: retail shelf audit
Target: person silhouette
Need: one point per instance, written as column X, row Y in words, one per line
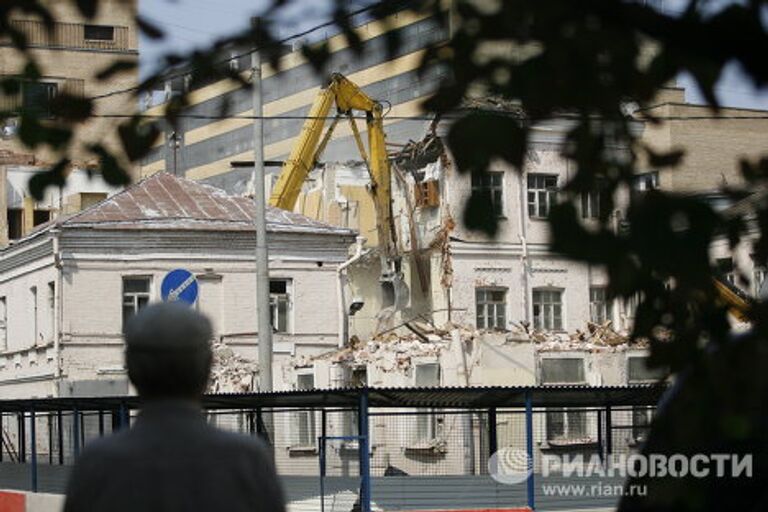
column 171, row 460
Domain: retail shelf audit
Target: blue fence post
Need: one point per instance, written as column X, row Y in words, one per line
column 75, row 432
column 124, row 421
column 493, row 443
column 608, row 433
column 600, row 440
column 364, row 452
column 33, row 450
column 60, row 435
column 529, row 448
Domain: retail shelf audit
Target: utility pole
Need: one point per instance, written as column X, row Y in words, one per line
column 262, row 254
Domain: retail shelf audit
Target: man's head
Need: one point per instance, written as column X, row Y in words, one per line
column 168, row 351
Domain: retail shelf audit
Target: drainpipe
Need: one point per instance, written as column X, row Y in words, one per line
column 343, row 314
column 59, row 302
column 524, row 243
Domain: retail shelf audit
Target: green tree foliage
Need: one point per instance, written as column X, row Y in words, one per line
column 585, row 61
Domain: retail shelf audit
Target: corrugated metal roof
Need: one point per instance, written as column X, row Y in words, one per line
column 445, row 397
column 164, row 201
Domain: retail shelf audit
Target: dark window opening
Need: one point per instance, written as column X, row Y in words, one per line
column 37, row 98
column 490, row 185
column 15, row 224
column 99, row 32
column 40, row 217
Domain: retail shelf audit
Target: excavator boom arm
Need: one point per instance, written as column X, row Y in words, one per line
column 347, row 97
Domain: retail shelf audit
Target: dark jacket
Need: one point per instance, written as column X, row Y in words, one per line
column 171, row 460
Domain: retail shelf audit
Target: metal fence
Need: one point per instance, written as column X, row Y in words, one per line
column 426, row 454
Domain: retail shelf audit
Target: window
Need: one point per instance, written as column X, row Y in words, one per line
column 600, row 309
column 427, row 193
column 569, row 370
column 758, row 276
column 490, row 184
column 564, row 424
column 548, row 310
column 40, row 217
column 542, row 194
column 51, row 309
column 3, row 324
column 724, row 268
column 592, row 203
column 639, row 373
column 631, row 304
column 427, row 422
column 99, row 32
column 135, row 295
column 35, row 326
column 304, row 421
column 279, row 304
column 15, row 224
column 642, row 416
column 491, row 307
column 357, row 377
column 646, row 181
column 37, row 98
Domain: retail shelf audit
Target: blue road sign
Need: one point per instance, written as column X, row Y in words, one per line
column 179, row 285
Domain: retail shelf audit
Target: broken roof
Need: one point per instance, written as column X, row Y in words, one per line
column 165, row 201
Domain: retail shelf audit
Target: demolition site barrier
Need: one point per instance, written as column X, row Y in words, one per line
column 367, row 449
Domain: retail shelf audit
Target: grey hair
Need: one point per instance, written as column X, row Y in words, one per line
column 168, row 351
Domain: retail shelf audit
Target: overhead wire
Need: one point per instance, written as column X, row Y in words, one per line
column 296, row 35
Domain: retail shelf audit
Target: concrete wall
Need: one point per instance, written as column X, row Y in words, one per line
column 70, row 61
column 713, row 147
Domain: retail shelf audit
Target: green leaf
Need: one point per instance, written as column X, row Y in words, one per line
column 476, row 139
column 110, row 168
column 56, row 176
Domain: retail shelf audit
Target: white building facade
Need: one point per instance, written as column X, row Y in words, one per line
column 67, row 289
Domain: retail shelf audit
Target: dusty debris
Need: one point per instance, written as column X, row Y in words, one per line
column 231, row 372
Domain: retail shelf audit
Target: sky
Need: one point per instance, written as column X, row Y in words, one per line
column 197, row 23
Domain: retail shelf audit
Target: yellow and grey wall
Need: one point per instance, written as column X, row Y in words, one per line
column 207, row 146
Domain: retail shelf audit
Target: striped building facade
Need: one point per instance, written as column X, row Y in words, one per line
column 204, row 149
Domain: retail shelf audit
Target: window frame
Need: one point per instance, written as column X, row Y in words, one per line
column 35, row 313
column 308, row 415
column 486, row 290
column 540, row 324
column 3, row 323
column 593, row 202
column 51, row 92
column 565, row 416
column 603, row 303
column 540, row 197
column 426, row 428
column 135, row 295
column 276, row 299
column 483, row 183
column 91, row 27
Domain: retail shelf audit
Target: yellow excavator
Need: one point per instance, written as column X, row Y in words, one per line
column 348, row 98
column 739, row 304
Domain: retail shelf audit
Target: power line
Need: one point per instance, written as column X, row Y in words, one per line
column 425, row 117
column 279, row 42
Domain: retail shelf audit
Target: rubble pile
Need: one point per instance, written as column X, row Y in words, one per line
column 231, row 373
column 390, row 352
column 594, row 337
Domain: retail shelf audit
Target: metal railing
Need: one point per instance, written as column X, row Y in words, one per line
column 342, row 457
column 68, row 36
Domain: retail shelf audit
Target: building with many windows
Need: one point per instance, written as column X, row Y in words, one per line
column 67, row 288
column 70, row 57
